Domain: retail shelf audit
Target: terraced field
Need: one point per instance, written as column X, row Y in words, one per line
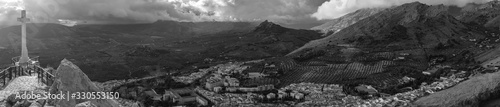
column 332, row 73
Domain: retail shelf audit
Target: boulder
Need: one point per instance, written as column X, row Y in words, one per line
column 366, row 89
column 36, row 104
column 70, row 78
column 86, row 104
column 11, row 100
column 23, row 103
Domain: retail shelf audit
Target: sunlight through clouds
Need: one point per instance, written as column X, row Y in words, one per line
column 336, row 8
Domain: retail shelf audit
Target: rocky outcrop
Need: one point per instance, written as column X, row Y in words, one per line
column 86, row 104
column 481, row 14
column 270, row 27
column 69, row 78
column 266, row 40
column 340, row 23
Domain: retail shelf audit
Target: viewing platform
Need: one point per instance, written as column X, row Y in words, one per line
column 30, row 68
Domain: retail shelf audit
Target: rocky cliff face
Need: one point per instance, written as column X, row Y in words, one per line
column 69, row 78
column 340, row 23
column 270, row 27
column 482, row 14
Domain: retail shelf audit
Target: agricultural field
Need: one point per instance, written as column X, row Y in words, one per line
column 491, row 58
column 420, row 65
column 333, row 73
column 314, row 63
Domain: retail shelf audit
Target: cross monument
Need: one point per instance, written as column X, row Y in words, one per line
column 24, row 51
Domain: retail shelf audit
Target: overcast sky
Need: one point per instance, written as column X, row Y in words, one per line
column 143, row 11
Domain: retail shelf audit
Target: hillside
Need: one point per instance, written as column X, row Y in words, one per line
column 172, row 28
column 408, row 26
column 410, row 38
column 266, row 40
column 474, row 91
column 340, row 23
column 487, row 14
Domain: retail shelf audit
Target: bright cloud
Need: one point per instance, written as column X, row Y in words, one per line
column 336, row 8
column 144, row 11
column 140, row 11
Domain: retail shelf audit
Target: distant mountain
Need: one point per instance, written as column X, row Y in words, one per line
column 172, row 28
column 413, row 25
column 487, row 14
column 267, row 40
column 270, row 27
column 395, row 43
column 340, row 23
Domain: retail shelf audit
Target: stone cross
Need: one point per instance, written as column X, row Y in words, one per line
column 24, row 52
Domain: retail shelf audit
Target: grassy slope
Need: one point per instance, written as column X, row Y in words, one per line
column 469, row 92
column 491, row 57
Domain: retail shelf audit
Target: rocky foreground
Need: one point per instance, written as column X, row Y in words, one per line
column 453, row 90
column 22, row 83
column 68, row 78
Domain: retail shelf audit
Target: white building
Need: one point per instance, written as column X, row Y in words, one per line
column 271, row 96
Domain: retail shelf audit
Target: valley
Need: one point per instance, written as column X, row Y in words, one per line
column 413, row 54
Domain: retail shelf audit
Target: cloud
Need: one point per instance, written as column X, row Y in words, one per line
column 336, row 8
column 246, row 10
column 8, row 13
column 7, row 17
column 143, row 11
column 113, row 11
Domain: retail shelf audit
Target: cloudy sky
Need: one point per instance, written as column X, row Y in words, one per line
column 143, row 11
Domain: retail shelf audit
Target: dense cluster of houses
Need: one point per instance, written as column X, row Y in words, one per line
column 217, row 83
column 183, row 96
column 281, row 95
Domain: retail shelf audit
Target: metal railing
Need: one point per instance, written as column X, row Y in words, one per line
column 44, row 76
column 32, row 59
column 33, row 68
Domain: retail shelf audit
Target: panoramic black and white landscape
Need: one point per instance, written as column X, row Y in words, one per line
column 251, row 53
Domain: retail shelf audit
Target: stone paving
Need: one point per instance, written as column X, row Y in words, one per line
column 22, row 83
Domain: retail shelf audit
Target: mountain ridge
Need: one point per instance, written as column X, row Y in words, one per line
column 395, row 21
column 337, row 24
